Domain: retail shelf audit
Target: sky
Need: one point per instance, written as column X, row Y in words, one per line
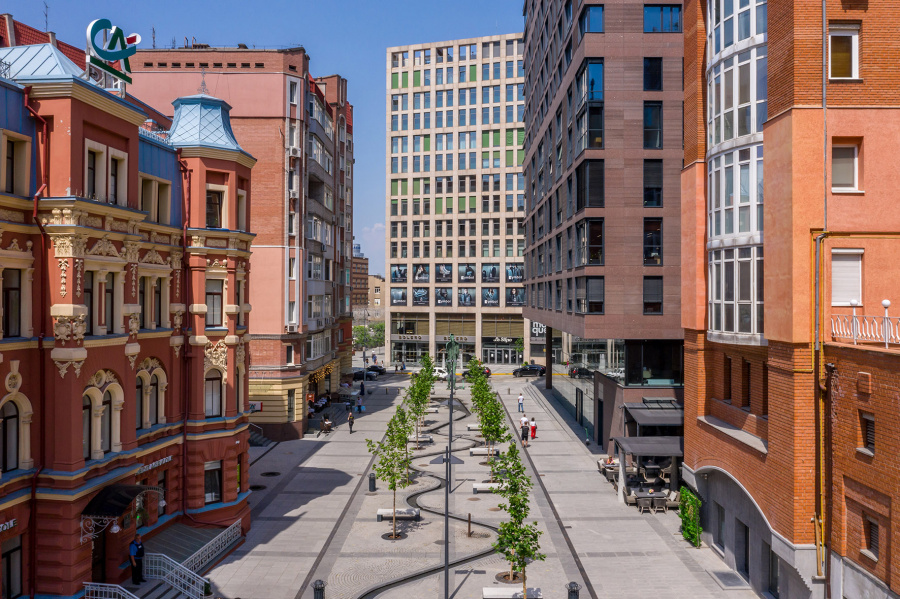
column 349, row 37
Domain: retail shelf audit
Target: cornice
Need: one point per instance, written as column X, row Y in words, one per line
column 94, row 97
column 217, row 154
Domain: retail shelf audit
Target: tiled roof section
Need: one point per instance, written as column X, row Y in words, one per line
column 202, row 121
column 41, row 61
column 27, row 36
column 74, row 54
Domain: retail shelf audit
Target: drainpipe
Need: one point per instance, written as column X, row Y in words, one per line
column 823, row 440
column 43, row 302
column 820, row 413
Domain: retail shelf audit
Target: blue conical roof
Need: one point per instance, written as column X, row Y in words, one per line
column 202, row 121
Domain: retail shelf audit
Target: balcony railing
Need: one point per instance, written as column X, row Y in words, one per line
column 858, row 329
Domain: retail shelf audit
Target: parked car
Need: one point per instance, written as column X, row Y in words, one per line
column 377, row 369
column 440, row 373
column 580, row 371
column 530, row 370
column 359, row 374
column 487, row 373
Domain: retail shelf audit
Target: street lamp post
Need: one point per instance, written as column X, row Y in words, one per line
column 452, row 353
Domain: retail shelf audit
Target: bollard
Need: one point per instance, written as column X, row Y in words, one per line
column 470, row 525
column 319, row 589
column 573, row 588
column 385, row 390
column 371, row 482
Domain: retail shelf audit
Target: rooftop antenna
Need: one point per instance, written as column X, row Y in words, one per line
column 153, row 36
column 203, row 89
column 46, row 16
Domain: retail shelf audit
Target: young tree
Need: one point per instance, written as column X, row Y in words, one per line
column 362, row 337
column 392, row 465
column 377, row 331
column 493, row 424
column 520, row 346
column 517, row 541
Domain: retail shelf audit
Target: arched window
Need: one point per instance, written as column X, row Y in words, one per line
column 139, row 403
column 9, row 430
column 154, row 400
column 213, row 393
column 86, row 425
column 106, row 423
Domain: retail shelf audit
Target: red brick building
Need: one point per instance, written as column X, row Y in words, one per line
column 300, row 129
column 790, row 437
column 124, row 265
column 359, row 279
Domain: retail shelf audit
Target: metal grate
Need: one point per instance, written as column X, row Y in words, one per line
column 873, row 538
column 869, row 424
column 4, row 69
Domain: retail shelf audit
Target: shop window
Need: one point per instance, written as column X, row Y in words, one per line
column 212, row 482
column 213, row 394
column 11, row 567
column 9, row 431
column 654, row 363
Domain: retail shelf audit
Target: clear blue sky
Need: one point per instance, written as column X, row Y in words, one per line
column 341, row 36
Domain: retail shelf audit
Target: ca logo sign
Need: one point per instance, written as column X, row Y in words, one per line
column 118, row 48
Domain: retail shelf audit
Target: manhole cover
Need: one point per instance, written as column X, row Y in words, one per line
column 504, row 578
column 469, row 499
column 269, row 474
column 257, row 487
column 493, row 509
column 390, row 536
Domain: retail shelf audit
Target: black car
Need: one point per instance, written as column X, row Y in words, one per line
column 580, row 372
column 530, row 370
column 377, row 368
column 487, row 373
column 369, row 375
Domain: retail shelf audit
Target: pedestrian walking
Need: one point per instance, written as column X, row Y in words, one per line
column 533, row 428
column 521, row 403
column 136, row 555
column 524, row 428
column 350, row 422
column 362, row 388
column 396, row 368
column 366, row 360
column 358, row 405
column 374, row 359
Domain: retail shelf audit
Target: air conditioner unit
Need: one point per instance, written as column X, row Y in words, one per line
column 295, row 151
column 294, row 194
column 291, row 328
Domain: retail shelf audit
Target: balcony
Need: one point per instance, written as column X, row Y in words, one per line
column 865, row 329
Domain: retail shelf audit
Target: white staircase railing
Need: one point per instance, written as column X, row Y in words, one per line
column 162, row 567
column 100, row 590
column 205, row 554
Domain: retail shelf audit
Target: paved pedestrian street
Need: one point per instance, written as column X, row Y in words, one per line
column 315, row 518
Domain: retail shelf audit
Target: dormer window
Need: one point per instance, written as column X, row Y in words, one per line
column 214, row 209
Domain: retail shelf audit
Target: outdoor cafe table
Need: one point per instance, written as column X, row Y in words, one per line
column 648, row 494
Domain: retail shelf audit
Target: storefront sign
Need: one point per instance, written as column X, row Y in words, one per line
column 9, row 524
column 538, row 332
column 457, row 338
column 116, row 48
column 156, row 464
column 409, row 337
column 256, row 406
column 502, row 340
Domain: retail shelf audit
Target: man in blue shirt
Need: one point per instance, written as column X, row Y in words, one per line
column 136, row 555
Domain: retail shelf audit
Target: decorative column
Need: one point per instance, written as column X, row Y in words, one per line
column 96, row 416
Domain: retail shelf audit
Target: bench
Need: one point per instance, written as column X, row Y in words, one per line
column 473, row 427
column 484, row 487
column 431, row 410
column 408, row 513
column 510, row 593
column 422, row 439
column 482, row 451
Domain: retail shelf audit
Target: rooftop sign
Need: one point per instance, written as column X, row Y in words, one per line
column 116, row 47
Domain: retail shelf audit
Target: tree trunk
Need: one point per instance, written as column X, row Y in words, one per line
column 524, row 584
column 511, row 572
column 394, row 515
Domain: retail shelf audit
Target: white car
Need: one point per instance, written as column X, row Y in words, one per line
column 440, row 373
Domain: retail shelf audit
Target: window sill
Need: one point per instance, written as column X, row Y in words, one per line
column 741, row 436
column 865, row 451
column 845, row 80
column 847, row 191
column 869, row 555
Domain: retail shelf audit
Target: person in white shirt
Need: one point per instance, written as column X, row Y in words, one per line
column 521, row 403
column 524, row 429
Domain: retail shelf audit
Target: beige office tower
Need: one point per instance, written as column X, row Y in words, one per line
column 455, row 200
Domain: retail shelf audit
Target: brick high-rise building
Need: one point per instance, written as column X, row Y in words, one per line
column 359, row 279
column 790, row 238
column 455, row 199
column 300, row 128
column 603, row 221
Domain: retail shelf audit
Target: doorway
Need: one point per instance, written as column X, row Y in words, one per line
column 98, row 558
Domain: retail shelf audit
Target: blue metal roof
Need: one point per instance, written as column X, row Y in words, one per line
column 38, row 61
column 202, row 121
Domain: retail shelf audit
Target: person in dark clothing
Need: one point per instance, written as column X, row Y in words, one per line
column 350, row 423
column 136, row 555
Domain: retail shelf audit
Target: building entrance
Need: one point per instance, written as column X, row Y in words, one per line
column 500, row 354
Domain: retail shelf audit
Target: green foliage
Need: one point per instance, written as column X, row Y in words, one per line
column 419, row 392
column 517, row 541
column 520, row 346
column 393, row 456
column 689, row 512
column 369, row 336
column 377, row 332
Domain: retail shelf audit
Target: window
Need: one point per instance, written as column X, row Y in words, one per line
column 653, row 125
column 106, row 423
column 109, row 303
column 662, row 19
column 91, row 183
column 589, row 178
column 844, row 168
column 212, row 482
column 653, row 74
column 11, row 567
column 653, row 183
column 719, row 530
column 157, row 303
column 843, row 44
column 846, row 277
column 653, row 250
column 867, row 424
column 589, row 295
column 9, row 438
column 153, row 400
column 139, row 403
column 113, row 181
column 213, row 394
column 289, row 354
column 772, row 584
column 12, row 302
column 86, row 427
column 214, row 209
column 591, row 20
column 214, row 289
column 872, row 540
column 653, row 295
column 293, row 92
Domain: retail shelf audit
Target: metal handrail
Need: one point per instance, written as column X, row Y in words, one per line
column 162, row 567
column 100, row 590
column 205, row 554
column 256, row 426
column 866, row 329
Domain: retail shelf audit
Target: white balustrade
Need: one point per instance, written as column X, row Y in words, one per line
column 205, row 554
column 99, row 590
column 858, row 329
column 162, row 567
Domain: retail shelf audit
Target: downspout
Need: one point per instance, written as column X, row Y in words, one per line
column 42, row 350
column 819, row 414
column 188, row 351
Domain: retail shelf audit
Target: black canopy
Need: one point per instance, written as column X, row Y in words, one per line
column 113, row 500
column 651, row 446
column 646, row 415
